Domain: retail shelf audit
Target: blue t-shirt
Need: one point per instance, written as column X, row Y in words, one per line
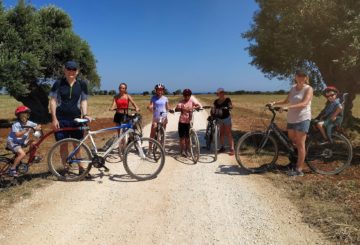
column 159, row 105
column 17, row 127
column 68, row 98
column 330, row 108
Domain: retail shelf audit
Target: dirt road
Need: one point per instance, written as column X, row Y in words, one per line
column 207, row 203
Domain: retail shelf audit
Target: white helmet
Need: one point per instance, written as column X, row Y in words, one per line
column 159, row 85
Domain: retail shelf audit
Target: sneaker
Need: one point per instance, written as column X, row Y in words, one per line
column 295, row 173
column 12, row 172
column 221, row 150
column 87, row 176
column 323, row 142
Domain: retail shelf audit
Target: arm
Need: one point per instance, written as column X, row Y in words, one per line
column 84, row 108
column 53, row 105
column 133, row 103
column 22, row 132
column 113, row 106
column 336, row 113
column 281, row 102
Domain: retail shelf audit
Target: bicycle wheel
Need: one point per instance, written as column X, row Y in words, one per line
column 143, row 163
column 256, row 152
column 69, row 160
column 329, row 158
column 208, row 136
column 216, row 138
column 4, row 165
column 194, row 146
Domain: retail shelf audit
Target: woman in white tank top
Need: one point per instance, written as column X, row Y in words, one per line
column 299, row 116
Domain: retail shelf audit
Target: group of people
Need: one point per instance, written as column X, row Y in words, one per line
column 68, row 100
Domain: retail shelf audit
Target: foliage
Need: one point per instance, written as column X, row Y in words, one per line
column 321, row 36
column 34, row 45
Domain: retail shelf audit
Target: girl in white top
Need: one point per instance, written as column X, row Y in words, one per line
column 299, row 116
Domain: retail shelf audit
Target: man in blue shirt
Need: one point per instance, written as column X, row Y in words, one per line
column 68, row 100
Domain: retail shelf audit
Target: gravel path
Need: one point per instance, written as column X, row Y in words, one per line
column 207, row 203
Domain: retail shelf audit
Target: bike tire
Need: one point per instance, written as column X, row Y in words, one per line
column 194, row 146
column 249, row 157
column 331, row 158
column 69, row 171
column 216, row 138
column 161, row 137
column 147, row 166
column 208, row 136
column 4, row 165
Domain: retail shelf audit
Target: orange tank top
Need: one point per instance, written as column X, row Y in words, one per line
column 122, row 103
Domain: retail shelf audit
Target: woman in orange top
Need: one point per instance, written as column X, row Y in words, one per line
column 121, row 104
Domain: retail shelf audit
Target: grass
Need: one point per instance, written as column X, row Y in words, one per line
column 330, row 203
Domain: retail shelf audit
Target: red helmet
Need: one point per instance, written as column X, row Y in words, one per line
column 331, row 89
column 21, row 109
column 187, row 92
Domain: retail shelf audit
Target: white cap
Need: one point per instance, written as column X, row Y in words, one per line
column 220, row 90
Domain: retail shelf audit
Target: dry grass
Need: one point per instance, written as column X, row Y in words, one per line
column 330, row 203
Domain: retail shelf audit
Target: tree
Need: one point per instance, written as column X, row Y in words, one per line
column 177, row 92
column 145, row 93
column 320, row 36
column 34, row 45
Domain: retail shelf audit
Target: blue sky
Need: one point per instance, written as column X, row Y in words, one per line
column 184, row 43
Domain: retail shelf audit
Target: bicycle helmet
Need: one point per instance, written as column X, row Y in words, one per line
column 331, row 89
column 159, row 86
column 187, row 92
column 22, row 109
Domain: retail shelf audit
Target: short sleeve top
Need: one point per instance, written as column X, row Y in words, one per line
column 296, row 115
column 17, row 127
column 159, row 105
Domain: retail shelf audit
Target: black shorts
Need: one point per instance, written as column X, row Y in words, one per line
column 77, row 134
column 183, row 130
column 120, row 118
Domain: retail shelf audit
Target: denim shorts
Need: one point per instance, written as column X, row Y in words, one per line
column 225, row 121
column 300, row 126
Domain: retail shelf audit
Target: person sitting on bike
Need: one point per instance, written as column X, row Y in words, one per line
column 19, row 136
column 159, row 105
column 331, row 115
column 222, row 107
column 185, row 106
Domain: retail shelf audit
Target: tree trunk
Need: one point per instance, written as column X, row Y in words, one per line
column 38, row 102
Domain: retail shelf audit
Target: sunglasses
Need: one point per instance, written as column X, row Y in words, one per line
column 71, row 69
column 329, row 95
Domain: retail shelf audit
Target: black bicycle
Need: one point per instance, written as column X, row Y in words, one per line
column 258, row 151
column 160, row 129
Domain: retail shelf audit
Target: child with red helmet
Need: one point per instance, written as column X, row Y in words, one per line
column 185, row 106
column 331, row 115
column 19, row 136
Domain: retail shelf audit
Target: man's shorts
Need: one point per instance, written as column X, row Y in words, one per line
column 77, row 134
column 183, row 130
column 300, row 126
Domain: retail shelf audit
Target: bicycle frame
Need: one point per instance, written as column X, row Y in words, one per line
column 127, row 129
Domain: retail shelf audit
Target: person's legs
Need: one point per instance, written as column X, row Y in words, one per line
column 20, row 154
column 320, row 126
column 228, row 134
column 300, row 143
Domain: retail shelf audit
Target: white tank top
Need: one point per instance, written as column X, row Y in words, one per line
column 296, row 115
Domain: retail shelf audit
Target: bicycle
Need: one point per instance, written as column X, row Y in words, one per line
column 258, row 151
column 160, row 130
column 212, row 132
column 117, row 154
column 140, row 161
column 194, row 140
column 23, row 167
